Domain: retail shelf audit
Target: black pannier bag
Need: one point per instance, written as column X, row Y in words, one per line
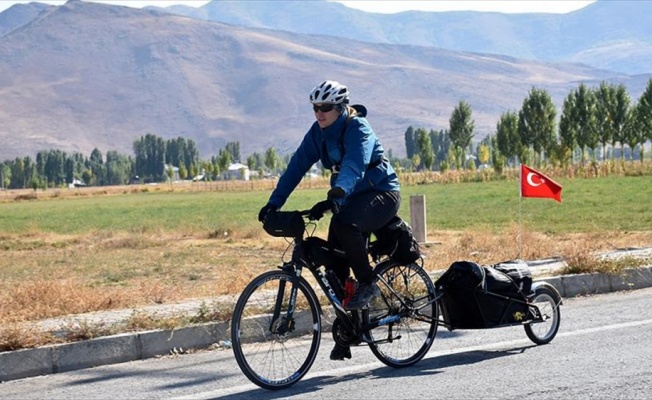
column 284, row 224
column 476, row 297
column 397, row 241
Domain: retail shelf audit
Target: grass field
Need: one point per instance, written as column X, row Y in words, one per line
column 77, row 250
column 589, row 205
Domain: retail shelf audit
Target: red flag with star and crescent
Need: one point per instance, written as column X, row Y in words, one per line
column 536, row 184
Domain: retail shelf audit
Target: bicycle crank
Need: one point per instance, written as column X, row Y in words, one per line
column 344, row 336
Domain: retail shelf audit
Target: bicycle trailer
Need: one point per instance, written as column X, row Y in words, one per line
column 478, row 297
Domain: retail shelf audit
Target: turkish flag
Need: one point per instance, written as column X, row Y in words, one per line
column 536, row 184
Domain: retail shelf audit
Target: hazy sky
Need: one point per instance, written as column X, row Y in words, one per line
column 512, row 6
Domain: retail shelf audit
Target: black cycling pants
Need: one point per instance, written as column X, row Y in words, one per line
column 350, row 228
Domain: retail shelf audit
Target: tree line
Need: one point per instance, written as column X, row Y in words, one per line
column 154, row 160
column 592, row 121
column 595, row 124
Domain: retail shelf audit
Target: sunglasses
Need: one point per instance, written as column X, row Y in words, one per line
column 323, row 108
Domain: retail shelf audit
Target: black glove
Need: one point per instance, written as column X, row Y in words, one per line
column 262, row 214
column 317, row 211
column 336, row 193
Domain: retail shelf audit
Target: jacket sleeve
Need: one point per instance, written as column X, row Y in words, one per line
column 303, row 158
column 359, row 141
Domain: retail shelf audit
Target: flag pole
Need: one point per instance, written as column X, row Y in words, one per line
column 520, row 198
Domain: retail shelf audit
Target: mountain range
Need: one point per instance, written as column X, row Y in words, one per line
column 85, row 75
column 607, row 34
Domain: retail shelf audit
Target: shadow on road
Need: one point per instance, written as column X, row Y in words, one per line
column 427, row 367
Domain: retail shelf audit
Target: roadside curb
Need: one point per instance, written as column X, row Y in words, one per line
column 125, row 347
column 106, row 350
column 595, row 283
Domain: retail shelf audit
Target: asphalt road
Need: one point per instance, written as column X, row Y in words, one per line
column 602, row 351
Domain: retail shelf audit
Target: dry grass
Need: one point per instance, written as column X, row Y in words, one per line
column 489, row 247
column 91, row 273
column 117, row 272
column 19, row 336
column 53, row 276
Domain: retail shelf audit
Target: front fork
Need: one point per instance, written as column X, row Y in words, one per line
column 284, row 324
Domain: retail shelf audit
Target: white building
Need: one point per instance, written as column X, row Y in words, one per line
column 237, row 171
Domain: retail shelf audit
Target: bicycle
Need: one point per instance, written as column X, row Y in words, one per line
column 276, row 325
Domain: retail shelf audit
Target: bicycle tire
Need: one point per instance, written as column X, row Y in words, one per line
column 405, row 342
column 543, row 332
column 275, row 360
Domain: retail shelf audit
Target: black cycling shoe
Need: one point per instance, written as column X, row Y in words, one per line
column 340, row 352
column 363, row 295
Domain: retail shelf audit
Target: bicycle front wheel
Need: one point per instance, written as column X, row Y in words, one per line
column 403, row 342
column 274, row 348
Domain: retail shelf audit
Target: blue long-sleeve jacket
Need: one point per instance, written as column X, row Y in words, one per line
column 361, row 148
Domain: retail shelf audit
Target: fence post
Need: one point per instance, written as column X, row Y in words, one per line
column 418, row 217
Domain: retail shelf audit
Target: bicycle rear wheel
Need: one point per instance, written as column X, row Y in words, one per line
column 404, row 342
column 275, row 352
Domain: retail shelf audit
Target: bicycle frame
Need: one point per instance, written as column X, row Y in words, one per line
column 276, row 329
column 351, row 322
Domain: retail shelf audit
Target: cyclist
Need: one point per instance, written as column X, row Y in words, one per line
column 364, row 194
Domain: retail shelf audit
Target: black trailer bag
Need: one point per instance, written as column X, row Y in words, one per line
column 458, row 284
column 501, row 301
column 477, row 297
column 499, row 282
column 498, row 309
column 519, row 272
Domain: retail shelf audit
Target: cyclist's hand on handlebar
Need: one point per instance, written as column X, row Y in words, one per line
column 317, row 211
column 336, row 193
column 262, row 214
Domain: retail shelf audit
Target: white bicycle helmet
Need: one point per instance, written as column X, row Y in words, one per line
column 329, row 92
